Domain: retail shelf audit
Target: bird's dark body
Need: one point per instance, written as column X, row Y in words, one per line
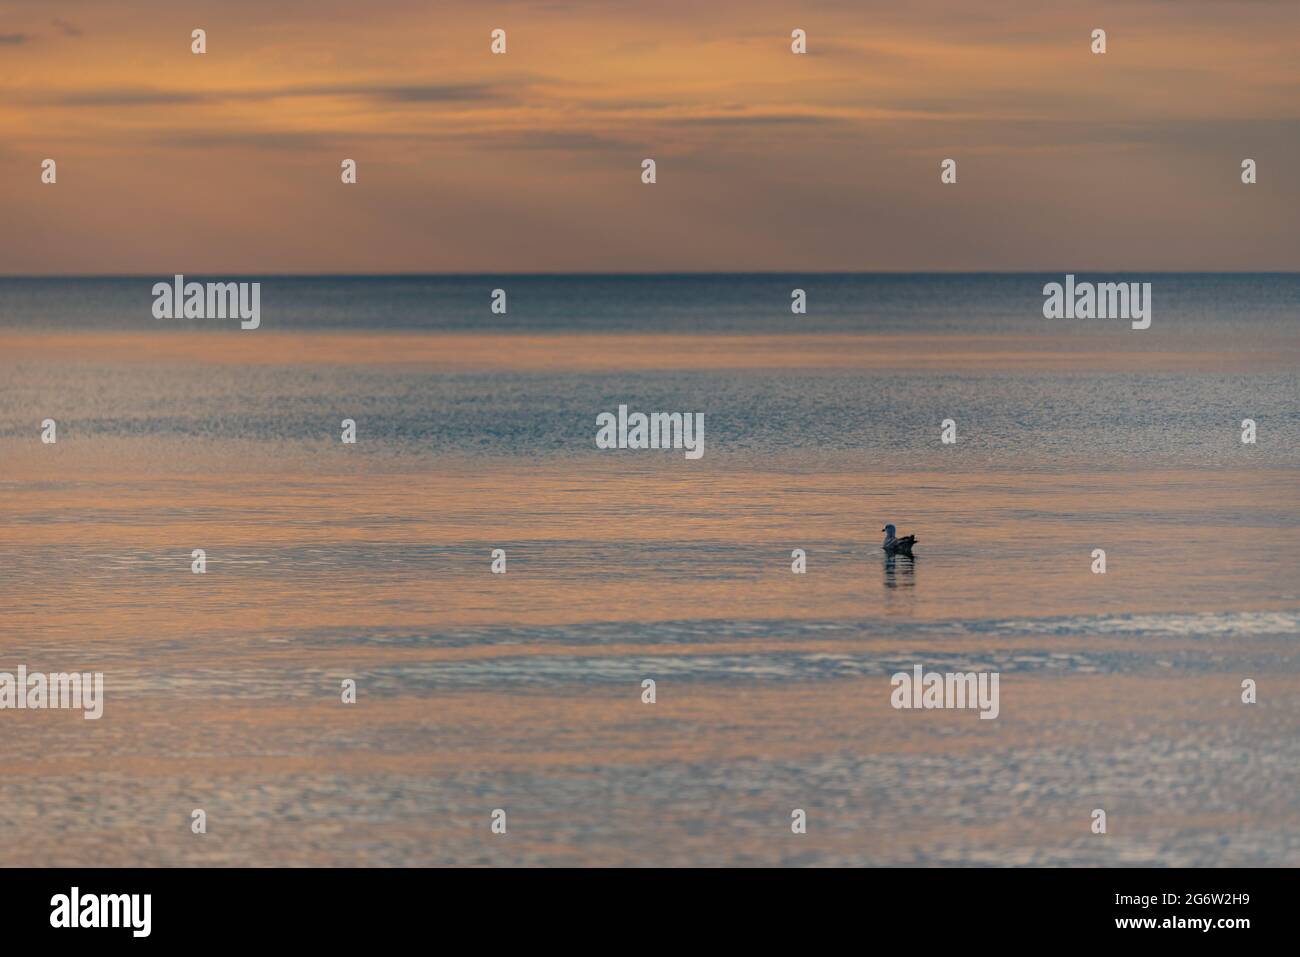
column 903, row 544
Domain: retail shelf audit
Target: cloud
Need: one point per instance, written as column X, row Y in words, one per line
column 757, row 119
column 272, row 140
column 550, row 140
column 326, row 140
column 14, row 39
column 134, row 97
column 66, row 28
column 385, row 93
column 426, row 93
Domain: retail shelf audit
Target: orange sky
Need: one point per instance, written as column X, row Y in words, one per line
column 229, row 162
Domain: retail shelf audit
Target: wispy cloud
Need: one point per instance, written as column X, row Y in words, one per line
column 65, row 28
column 387, row 93
column 756, row 119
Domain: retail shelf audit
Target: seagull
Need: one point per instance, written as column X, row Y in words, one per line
column 894, row 544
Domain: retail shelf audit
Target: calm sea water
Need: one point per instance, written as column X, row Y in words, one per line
column 523, row 691
column 1235, row 304
column 1027, row 417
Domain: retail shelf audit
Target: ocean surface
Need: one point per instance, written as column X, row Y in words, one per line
column 476, row 691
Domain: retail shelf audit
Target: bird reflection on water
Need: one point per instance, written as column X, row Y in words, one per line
column 900, row 571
